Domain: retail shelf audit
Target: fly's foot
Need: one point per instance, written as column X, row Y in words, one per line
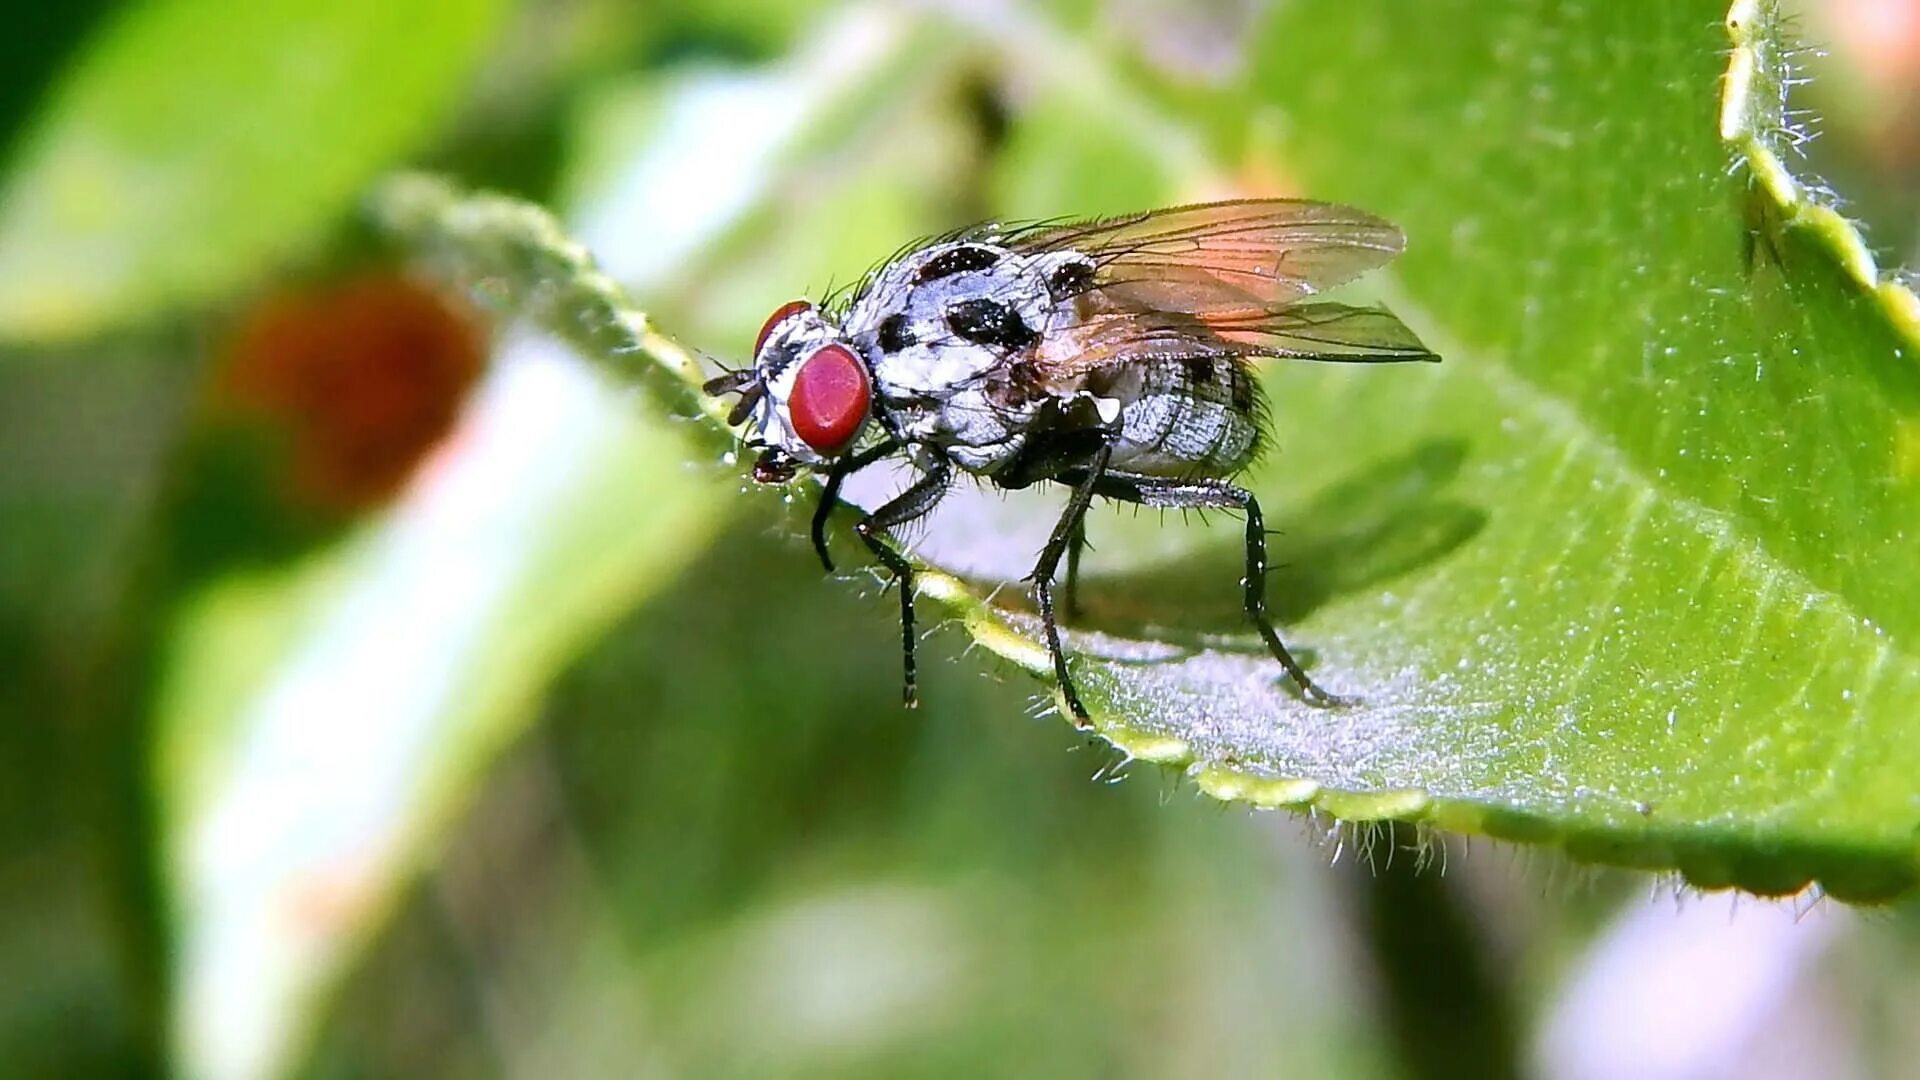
column 1075, row 710
column 1323, row 699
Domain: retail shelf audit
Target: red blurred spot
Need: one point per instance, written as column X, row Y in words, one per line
column 1878, row 43
column 364, row 377
column 1880, row 37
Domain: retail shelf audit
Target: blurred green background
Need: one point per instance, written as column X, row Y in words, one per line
column 381, row 693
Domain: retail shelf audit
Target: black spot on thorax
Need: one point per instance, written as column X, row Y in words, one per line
column 1070, row 279
column 956, row 261
column 895, row 334
column 989, row 322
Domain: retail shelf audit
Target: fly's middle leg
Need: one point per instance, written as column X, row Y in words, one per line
column 1207, row 494
column 1069, row 526
column 830, row 495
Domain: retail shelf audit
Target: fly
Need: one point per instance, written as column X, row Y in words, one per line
column 1111, row 356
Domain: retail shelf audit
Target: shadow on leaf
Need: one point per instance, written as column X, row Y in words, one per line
column 1383, row 521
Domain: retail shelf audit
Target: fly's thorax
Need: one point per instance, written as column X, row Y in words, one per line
column 974, row 425
column 950, row 315
column 943, row 330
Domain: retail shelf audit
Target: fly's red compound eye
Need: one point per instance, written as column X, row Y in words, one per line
column 780, row 314
column 830, row 397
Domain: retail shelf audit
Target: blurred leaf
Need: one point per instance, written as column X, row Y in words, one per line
column 197, row 139
column 41, row 40
column 752, row 149
column 320, row 724
column 1061, row 153
column 81, row 432
column 322, row 720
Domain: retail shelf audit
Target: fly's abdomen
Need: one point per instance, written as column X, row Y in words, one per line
column 1187, row 417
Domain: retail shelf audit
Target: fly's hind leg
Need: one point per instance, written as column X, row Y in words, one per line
column 1255, row 602
column 910, row 505
column 1204, row 494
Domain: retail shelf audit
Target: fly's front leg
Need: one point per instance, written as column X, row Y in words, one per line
column 1057, row 545
column 829, row 498
column 905, row 507
column 1202, row 494
column 830, row 494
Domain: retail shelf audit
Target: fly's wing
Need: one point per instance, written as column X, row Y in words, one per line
column 1315, row 331
column 1247, row 253
column 1324, row 330
column 1221, row 279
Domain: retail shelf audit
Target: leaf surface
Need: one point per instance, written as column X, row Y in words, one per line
column 1630, row 571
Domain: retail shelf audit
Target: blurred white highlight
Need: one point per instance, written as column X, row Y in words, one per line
column 1711, row 989
column 321, row 795
column 714, row 151
column 296, row 839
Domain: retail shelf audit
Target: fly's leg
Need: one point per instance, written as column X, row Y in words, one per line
column 830, row 494
column 905, row 507
column 1055, row 456
column 829, row 498
column 1070, row 590
column 1256, row 602
column 1057, row 545
column 1205, row 494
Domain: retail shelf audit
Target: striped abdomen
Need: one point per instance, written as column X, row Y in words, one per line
column 1183, row 416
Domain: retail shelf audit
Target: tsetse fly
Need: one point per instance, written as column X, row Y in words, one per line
column 1112, row 356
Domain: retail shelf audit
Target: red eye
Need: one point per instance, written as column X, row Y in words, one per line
column 829, row 399
column 780, row 314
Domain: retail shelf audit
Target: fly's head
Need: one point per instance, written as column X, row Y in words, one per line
column 804, row 399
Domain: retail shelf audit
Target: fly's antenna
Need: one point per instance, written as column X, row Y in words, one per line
column 730, row 380
column 729, row 374
column 744, row 381
column 750, row 396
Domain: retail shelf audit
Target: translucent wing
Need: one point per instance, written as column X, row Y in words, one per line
column 1315, row 331
column 1324, row 331
column 1259, row 253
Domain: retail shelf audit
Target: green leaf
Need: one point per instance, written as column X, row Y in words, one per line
column 1685, row 637
column 1625, row 573
column 1629, row 573
column 196, row 140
